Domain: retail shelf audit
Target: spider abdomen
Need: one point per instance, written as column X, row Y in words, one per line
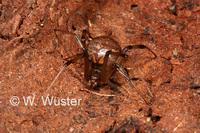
column 98, row 47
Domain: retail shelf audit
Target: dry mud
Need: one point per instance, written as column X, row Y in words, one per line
column 32, row 53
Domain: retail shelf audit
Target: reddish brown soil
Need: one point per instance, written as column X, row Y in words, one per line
column 30, row 58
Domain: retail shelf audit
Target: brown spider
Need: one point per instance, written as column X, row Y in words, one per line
column 102, row 58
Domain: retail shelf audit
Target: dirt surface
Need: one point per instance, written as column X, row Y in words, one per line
column 32, row 53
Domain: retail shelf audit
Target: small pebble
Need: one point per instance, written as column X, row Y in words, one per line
column 192, row 77
column 182, row 80
column 148, row 119
column 71, row 129
column 54, row 42
column 175, row 52
column 198, row 91
column 172, row 8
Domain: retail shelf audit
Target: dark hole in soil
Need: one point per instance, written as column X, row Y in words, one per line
column 73, row 27
column 155, row 119
column 195, row 87
column 110, row 99
column 5, row 37
column 128, row 126
column 140, row 109
column 111, row 127
column 79, row 119
column 134, row 6
column 21, row 40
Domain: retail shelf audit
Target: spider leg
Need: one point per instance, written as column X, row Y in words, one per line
column 140, row 77
column 84, row 36
column 76, row 37
column 69, row 60
column 137, row 47
column 130, row 82
column 79, row 42
column 99, row 94
column 104, row 76
column 82, row 44
column 87, row 58
column 72, row 59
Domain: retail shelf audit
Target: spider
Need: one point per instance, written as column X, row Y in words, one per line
column 102, row 58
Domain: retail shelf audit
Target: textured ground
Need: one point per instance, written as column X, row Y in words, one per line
column 32, row 52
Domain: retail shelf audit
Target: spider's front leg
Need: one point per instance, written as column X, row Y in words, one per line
column 137, row 47
column 73, row 59
column 130, row 82
column 69, row 60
